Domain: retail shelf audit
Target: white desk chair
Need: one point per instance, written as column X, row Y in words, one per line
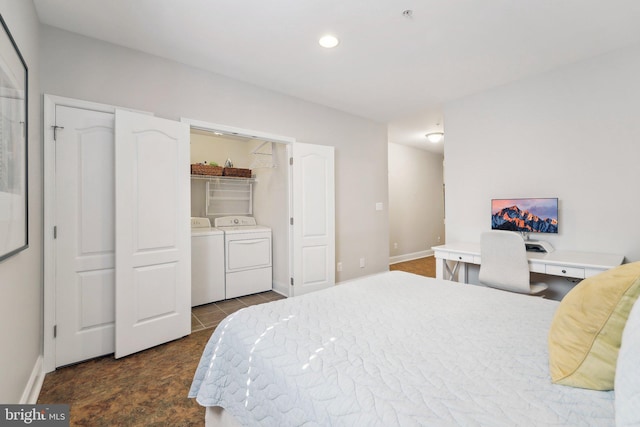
column 504, row 263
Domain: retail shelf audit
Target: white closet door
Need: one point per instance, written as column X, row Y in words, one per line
column 313, row 205
column 84, row 246
column 153, row 251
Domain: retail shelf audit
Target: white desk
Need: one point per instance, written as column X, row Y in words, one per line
column 574, row 264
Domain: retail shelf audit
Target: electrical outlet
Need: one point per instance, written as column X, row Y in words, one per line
column 438, row 239
column 395, row 245
column 362, row 262
column 339, row 266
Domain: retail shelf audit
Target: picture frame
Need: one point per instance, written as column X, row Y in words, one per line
column 14, row 206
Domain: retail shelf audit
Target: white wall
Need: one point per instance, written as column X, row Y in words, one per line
column 21, row 276
column 416, row 202
column 84, row 68
column 572, row 133
column 208, row 147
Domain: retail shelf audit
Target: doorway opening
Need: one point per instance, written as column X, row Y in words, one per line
column 266, row 156
column 296, row 199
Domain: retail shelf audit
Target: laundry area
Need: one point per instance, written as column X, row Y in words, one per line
column 268, row 224
column 239, row 216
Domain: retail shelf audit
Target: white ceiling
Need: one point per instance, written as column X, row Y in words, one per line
column 388, row 67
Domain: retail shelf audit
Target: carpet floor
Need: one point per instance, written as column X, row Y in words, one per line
column 150, row 388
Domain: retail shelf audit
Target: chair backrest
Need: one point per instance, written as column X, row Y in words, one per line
column 504, row 262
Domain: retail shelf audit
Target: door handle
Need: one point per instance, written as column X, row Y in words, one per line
column 247, row 242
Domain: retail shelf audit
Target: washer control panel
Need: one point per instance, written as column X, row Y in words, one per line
column 235, row 221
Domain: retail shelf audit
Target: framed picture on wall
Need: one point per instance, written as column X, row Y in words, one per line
column 14, row 226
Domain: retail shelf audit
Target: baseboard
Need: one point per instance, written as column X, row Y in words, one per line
column 34, row 385
column 409, row 257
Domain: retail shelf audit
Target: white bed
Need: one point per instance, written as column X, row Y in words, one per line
column 392, row 349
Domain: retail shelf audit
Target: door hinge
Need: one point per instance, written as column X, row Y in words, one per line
column 55, row 128
column 291, row 160
column 292, row 281
column 291, row 220
column 55, row 331
column 55, row 231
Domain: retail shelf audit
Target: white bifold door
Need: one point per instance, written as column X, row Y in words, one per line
column 84, row 235
column 121, row 236
column 313, row 214
column 153, row 234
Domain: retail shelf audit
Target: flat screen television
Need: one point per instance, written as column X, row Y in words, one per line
column 525, row 215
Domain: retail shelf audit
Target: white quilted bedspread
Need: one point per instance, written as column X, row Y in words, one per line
column 393, row 349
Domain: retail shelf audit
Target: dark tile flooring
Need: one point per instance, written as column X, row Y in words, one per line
column 150, row 388
column 209, row 315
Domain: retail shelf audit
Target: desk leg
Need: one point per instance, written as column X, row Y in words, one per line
column 463, row 276
column 441, row 265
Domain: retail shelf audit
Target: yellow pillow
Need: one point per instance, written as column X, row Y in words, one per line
column 586, row 331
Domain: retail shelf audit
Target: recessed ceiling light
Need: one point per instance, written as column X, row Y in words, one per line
column 328, row 41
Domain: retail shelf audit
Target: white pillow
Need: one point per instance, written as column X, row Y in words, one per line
column 627, row 381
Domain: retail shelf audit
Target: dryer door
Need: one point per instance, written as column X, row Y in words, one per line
column 247, row 251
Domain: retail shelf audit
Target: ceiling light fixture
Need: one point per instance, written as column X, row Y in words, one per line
column 328, row 41
column 435, row 137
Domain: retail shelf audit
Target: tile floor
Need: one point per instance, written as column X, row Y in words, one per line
column 149, row 388
column 209, row 315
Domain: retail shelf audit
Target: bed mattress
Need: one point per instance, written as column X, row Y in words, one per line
column 393, row 349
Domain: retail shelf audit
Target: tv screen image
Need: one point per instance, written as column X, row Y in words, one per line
column 525, row 215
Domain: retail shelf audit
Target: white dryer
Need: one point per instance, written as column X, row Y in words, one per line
column 207, row 262
column 247, row 249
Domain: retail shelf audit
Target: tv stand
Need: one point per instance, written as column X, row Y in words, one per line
column 538, row 246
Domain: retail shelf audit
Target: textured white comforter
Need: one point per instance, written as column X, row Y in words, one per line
column 393, row 349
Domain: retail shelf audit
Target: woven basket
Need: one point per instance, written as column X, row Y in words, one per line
column 200, row 169
column 243, row 173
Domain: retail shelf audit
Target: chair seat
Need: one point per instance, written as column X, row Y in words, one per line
column 504, row 264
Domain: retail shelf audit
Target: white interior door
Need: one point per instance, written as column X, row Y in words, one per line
column 313, row 207
column 84, row 243
column 153, row 250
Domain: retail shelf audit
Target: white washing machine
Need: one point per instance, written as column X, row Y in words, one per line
column 207, row 262
column 247, row 249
